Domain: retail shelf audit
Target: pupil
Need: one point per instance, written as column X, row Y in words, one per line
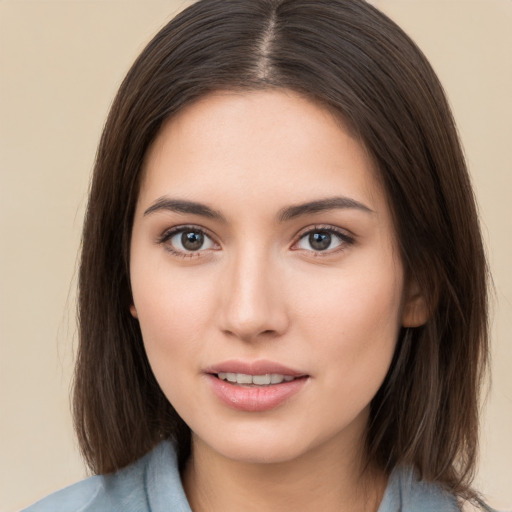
column 192, row 240
column 320, row 241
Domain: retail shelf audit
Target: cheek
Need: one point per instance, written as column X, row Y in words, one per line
column 168, row 300
column 351, row 304
column 354, row 327
column 174, row 312
column 171, row 315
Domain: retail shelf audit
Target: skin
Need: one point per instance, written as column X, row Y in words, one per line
column 258, row 290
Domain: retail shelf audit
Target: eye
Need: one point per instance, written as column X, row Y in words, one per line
column 323, row 240
column 187, row 240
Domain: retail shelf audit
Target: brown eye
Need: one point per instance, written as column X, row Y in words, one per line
column 188, row 240
column 319, row 241
column 192, row 240
column 323, row 240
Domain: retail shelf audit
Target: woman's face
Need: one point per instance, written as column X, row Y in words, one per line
column 265, row 275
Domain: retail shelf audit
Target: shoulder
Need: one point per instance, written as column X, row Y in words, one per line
column 143, row 487
column 406, row 493
column 76, row 497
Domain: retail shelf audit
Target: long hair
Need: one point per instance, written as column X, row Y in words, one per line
column 352, row 59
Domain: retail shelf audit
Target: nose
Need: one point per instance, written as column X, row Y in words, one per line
column 254, row 305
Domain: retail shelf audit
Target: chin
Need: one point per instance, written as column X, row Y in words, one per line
column 268, row 454
column 261, row 447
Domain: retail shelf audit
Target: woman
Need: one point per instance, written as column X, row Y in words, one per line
column 282, row 273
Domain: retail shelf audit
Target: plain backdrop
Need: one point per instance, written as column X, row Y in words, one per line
column 61, row 62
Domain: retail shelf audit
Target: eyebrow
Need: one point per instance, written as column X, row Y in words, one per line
column 288, row 213
column 182, row 206
column 322, row 205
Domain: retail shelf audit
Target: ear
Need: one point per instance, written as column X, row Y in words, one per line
column 415, row 310
column 133, row 311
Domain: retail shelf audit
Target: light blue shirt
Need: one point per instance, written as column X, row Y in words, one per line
column 153, row 484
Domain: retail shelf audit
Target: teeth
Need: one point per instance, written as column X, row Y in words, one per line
column 257, row 380
column 262, row 380
column 242, row 378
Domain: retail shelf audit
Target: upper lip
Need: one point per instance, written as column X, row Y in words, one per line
column 261, row 367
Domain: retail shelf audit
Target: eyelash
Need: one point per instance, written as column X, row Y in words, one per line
column 344, row 240
column 169, row 234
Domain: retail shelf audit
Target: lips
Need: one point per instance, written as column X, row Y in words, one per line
column 255, row 386
column 260, row 367
column 266, row 379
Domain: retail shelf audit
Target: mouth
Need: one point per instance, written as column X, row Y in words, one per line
column 254, row 373
column 255, row 386
column 245, row 379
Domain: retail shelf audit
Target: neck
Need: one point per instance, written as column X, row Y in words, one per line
column 322, row 479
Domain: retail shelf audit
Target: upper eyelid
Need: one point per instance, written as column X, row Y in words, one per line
column 344, row 234
column 164, row 239
column 345, row 237
column 167, row 233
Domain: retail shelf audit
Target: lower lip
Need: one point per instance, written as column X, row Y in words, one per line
column 255, row 398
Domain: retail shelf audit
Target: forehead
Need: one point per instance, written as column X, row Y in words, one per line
column 258, row 146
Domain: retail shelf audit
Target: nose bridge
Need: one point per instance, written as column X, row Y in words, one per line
column 254, row 303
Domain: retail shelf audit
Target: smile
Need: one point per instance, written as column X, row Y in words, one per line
column 267, row 379
column 255, row 386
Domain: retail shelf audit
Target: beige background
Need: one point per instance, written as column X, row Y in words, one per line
column 60, row 64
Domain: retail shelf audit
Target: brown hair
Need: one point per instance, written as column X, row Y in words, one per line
column 359, row 64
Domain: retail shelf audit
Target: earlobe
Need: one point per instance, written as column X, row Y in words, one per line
column 133, row 311
column 415, row 312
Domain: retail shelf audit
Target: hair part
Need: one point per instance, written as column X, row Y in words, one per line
column 360, row 65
